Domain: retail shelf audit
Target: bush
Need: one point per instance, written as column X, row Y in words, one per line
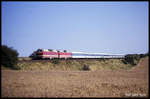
column 144, row 55
column 132, row 59
column 9, row 57
column 86, row 67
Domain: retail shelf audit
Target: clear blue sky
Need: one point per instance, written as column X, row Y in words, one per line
column 104, row 27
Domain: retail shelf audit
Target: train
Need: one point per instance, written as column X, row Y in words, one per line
column 64, row 54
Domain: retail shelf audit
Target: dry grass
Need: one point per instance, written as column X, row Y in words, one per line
column 111, row 64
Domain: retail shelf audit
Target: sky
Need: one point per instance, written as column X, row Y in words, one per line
column 99, row 27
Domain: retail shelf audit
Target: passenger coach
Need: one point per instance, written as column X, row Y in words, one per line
column 50, row 54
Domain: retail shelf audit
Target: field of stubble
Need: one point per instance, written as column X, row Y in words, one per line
column 101, row 83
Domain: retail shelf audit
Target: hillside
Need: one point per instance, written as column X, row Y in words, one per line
column 72, row 64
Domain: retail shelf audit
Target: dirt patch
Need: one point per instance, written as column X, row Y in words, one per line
column 102, row 83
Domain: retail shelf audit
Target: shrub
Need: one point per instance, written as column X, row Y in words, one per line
column 86, row 67
column 9, row 57
column 144, row 55
column 132, row 59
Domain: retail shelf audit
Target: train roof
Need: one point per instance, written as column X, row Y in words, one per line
column 60, row 50
column 97, row 53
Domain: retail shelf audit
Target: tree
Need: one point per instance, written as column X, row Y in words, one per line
column 9, row 57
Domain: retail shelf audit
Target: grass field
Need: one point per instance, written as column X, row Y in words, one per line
column 110, row 79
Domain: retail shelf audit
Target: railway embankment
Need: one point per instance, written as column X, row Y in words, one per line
column 26, row 63
column 74, row 64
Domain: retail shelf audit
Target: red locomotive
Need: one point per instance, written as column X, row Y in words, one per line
column 50, row 54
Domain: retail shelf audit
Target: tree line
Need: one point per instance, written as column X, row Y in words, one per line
column 133, row 59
